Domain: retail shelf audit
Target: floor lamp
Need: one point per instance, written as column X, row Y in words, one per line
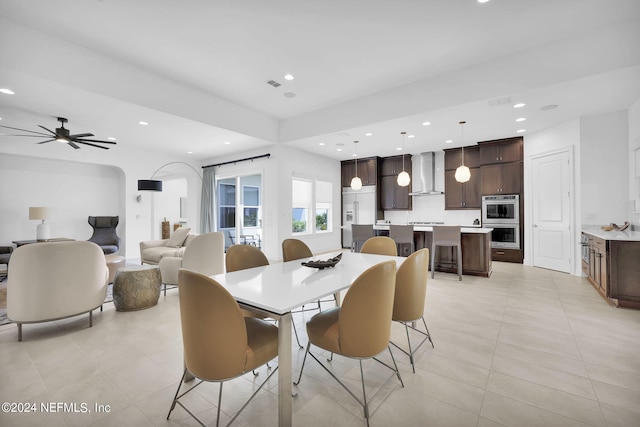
column 155, row 185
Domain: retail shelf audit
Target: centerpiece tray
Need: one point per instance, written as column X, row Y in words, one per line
column 323, row 264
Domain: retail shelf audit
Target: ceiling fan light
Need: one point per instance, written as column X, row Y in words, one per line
column 62, row 139
column 403, row 179
column 356, row 183
column 463, row 174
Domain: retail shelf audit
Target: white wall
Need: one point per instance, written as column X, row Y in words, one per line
column 73, row 190
column 634, row 169
column 604, row 169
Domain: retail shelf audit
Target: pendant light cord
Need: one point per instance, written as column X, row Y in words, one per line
column 462, row 140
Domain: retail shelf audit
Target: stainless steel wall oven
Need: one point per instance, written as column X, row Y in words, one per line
column 502, row 213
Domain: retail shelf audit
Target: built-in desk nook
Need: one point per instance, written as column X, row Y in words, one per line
column 476, row 249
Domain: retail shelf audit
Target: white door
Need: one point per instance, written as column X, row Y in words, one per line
column 552, row 201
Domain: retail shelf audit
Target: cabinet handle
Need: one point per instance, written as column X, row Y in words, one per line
column 499, row 252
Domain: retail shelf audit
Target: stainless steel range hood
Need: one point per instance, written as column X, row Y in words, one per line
column 426, row 174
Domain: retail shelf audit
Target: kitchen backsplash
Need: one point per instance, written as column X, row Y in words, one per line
column 431, row 208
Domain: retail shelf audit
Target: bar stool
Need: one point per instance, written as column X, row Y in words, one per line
column 359, row 234
column 446, row 235
column 402, row 235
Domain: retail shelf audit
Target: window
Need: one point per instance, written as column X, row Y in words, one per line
column 306, row 202
column 227, row 205
column 251, row 202
column 323, row 206
column 301, row 205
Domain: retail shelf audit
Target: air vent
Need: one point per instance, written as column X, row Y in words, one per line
column 500, row 101
column 273, row 83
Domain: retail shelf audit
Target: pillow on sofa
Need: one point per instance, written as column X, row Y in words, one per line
column 178, row 237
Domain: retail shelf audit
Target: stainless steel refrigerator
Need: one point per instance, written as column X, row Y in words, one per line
column 358, row 207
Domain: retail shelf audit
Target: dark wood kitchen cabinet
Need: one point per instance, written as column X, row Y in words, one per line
column 459, row 195
column 501, row 178
column 613, row 269
column 462, row 195
column 501, row 151
column 367, row 171
column 394, row 197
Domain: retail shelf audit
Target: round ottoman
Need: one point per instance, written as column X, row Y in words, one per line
column 114, row 262
column 136, row 287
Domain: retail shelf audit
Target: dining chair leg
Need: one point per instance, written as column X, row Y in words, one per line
column 364, row 395
column 295, row 331
column 219, row 404
column 459, row 263
column 304, row 359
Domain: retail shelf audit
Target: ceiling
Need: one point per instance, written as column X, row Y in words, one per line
column 197, row 71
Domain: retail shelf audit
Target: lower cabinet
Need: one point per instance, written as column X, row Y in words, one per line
column 476, row 254
column 613, row 269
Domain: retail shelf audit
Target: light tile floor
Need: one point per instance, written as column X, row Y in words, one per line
column 527, row 347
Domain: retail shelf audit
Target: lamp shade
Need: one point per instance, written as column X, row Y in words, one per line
column 403, row 179
column 356, row 183
column 463, row 174
column 38, row 213
column 149, row 185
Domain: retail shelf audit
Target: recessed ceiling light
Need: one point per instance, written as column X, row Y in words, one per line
column 289, row 95
column 519, row 105
column 368, row 134
column 227, row 143
column 448, row 141
column 398, row 148
column 426, row 123
column 521, row 130
column 7, row 91
column 549, row 107
column 143, row 123
column 189, row 152
column 354, row 155
column 321, row 143
column 111, row 138
column 288, row 77
column 521, row 119
column 411, row 136
column 338, row 149
column 483, row 1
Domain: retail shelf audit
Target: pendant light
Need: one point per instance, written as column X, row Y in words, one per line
column 463, row 174
column 403, row 177
column 356, row 182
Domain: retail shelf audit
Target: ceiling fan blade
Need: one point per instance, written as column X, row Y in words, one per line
column 24, row 130
column 95, row 140
column 48, row 130
column 73, row 145
column 48, row 140
column 33, row 136
column 80, row 135
column 93, row 145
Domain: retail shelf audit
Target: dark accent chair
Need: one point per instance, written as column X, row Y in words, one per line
column 104, row 233
column 5, row 254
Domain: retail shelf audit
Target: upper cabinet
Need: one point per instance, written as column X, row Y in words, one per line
column 453, row 157
column 394, row 197
column 501, row 151
column 367, row 171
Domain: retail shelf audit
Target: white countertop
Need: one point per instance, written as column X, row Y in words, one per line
column 417, row 227
column 626, row 235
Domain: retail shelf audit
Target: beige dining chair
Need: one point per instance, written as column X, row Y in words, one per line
column 381, row 245
column 241, row 257
column 359, row 234
column 359, row 329
column 409, row 301
column 449, row 236
column 402, row 235
column 220, row 344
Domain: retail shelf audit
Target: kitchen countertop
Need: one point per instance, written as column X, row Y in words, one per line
column 416, row 227
column 626, row 235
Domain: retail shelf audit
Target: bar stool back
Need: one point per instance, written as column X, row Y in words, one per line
column 446, row 235
column 402, row 235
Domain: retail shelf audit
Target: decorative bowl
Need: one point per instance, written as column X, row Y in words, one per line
column 323, row 264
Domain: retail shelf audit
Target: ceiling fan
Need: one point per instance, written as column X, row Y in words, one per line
column 62, row 135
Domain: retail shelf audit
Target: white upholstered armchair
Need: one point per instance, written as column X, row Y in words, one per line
column 204, row 255
column 54, row 280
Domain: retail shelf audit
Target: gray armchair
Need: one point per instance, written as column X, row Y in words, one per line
column 104, row 233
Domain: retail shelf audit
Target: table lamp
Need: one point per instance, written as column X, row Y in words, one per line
column 40, row 213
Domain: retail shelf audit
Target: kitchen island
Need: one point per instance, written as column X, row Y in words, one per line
column 610, row 261
column 476, row 249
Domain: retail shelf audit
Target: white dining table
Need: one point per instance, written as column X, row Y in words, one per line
column 277, row 289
